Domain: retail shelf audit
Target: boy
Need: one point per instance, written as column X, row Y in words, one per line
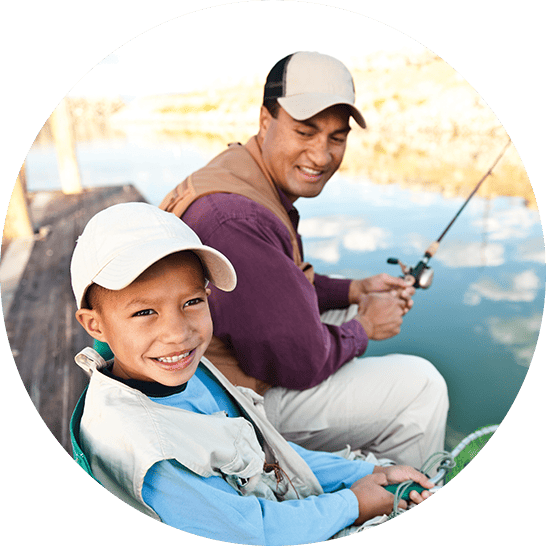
column 164, row 430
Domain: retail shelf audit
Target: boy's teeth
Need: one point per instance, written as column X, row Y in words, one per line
column 171, row 359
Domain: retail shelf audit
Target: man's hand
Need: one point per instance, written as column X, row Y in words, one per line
column 383, row 283
column 374, row 500
column 380, row 315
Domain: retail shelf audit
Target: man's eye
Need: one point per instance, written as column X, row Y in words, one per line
column 304, row 133
column 143, row 313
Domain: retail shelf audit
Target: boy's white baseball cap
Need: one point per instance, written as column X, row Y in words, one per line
column 122, row 241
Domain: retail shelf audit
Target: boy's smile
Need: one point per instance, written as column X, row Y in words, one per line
column 159, row 326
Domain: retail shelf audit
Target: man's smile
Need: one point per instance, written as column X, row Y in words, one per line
column 310, row 173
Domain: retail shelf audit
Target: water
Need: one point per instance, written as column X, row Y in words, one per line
column 152, row 167
column 478, row 322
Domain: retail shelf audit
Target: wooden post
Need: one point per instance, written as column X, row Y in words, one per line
column 61, row 128
column 18, row 223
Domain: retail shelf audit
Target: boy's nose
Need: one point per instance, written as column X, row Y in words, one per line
column 175, row 329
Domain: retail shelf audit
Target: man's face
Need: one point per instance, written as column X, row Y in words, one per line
column 159, row 326
column 302, row 156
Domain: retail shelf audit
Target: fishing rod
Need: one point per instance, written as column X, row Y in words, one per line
column 422, row 273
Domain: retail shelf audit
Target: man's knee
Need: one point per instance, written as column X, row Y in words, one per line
column 437, row 382
column 432, row 383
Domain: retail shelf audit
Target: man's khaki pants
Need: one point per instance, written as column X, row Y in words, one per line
column 393, row 406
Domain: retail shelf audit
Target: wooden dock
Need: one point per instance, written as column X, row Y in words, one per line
column 42, row 331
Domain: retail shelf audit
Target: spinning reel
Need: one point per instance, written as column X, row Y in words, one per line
column 422, row 273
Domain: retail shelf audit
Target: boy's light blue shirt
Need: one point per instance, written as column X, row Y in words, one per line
column 211, row 508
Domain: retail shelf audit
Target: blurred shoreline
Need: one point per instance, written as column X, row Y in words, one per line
column 427, row 127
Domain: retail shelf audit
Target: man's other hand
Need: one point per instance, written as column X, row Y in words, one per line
column 383, row 283
column 380, row 315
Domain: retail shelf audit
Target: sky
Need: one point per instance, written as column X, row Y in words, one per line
column 177, row 56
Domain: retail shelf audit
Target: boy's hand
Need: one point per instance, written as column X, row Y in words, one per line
column 399, row 473
column 374, row 500
column 402, row 473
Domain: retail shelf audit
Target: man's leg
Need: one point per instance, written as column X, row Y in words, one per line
column 393, row 406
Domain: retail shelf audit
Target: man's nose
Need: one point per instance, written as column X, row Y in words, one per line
column 319, row 152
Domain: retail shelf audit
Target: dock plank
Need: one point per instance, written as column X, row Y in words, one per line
column 42, row 330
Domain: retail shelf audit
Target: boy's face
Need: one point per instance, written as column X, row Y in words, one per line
column 159, row 326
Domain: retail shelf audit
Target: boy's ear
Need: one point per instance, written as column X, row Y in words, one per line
column 90, row 320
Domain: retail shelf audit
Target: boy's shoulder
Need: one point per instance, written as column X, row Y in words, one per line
column 118, row 420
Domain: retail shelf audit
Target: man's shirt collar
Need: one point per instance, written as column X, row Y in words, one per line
column 292, row 211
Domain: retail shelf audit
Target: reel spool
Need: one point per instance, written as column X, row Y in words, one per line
column 422, row 273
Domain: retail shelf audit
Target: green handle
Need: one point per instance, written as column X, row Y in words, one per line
column 405, row 496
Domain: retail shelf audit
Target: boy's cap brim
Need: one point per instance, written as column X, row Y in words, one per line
column 121, row 242
column 129, row 264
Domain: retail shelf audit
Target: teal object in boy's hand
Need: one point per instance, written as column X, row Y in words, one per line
column 405, row 496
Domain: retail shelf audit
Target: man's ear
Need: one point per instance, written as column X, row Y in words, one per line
column 265, row 120
column 90, row 320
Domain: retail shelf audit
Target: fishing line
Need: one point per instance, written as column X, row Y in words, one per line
column 423, row 274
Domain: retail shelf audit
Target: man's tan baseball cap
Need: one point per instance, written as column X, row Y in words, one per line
column 306, row 83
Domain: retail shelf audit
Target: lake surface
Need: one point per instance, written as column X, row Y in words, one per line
column 478, row 322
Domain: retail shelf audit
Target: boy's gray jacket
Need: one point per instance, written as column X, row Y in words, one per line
column 124, row 433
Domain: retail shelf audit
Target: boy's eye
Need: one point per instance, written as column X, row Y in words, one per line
column 143, row 313
column 194, row 301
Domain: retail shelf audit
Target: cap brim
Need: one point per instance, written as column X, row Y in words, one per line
column 220, row 272
column 307, row 105
column 128, row 265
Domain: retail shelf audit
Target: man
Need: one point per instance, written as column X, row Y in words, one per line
column 269, row 334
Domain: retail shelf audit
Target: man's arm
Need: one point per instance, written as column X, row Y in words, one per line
column 332, row 293
column 272, row 319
